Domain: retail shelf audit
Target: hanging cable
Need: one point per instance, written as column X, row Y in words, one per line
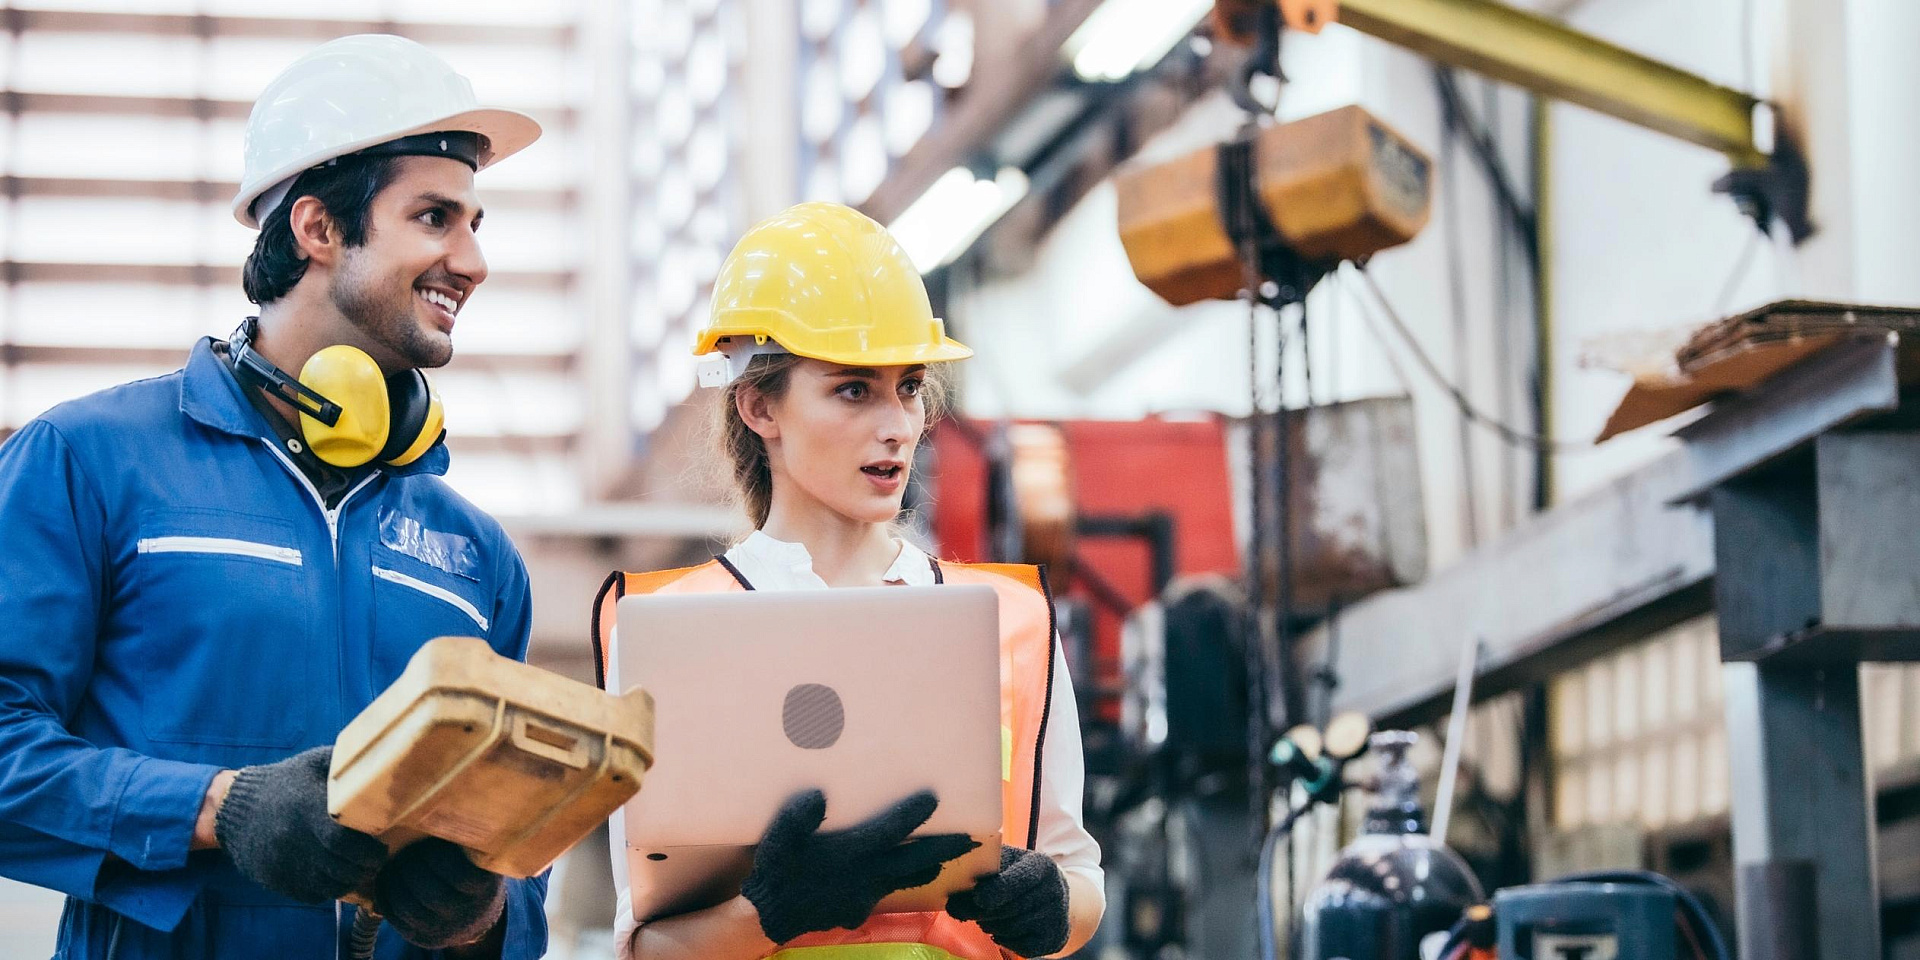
column 1503, row 313
column 1259, row 668
column 1451, row 215
column 1506, row 432
column 1399, row 370
column 1292, row 692
column 1306, row 352
column 1455, row 112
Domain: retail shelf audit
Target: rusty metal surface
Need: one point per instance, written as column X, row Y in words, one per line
column 1358, row 523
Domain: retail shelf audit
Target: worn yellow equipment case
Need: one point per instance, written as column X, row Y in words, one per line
column 512, row 762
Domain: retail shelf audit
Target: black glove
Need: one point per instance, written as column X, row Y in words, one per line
column 805, row 881
column 1023, row 907
column 274, row 827
column 434, row 896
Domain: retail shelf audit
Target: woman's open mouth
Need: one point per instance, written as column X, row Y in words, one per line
column 886, row 477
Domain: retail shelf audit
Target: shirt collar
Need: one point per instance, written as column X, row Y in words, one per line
column 771, row 564
column 210, row 395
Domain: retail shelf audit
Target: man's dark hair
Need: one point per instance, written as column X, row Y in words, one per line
column 346, row 188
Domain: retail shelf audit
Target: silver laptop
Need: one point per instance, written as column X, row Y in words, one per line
column 866, row 693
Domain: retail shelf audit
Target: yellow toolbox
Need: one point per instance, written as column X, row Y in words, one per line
column 512, row 762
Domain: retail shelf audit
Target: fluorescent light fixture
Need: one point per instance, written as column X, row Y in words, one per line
column 1123, row 37
column 953, row 213
column 953, row 44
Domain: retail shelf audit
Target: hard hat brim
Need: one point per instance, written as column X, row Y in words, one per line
column 507, row 131
column 948, row 349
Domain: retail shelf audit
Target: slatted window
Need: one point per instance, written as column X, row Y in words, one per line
column 869, row 87
column 1639, row 737
column 688, row 131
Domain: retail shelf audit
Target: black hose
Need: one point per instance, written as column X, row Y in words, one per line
column 1325, row 789
column 365, row 934
column 1263, row 884
column 1263, row 887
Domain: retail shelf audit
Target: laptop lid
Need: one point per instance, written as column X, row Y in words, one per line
column 866, row 693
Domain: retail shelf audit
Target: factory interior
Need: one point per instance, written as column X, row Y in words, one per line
column 1463, row 437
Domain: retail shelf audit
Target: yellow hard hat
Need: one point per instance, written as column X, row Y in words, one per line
column 822, row 280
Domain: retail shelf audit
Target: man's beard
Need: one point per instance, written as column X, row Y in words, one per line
column 386, row 319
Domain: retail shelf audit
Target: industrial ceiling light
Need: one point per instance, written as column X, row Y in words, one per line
column 1123, row 37
column 953, row 213
column 863, row 55
column 953, row 46
column 819, row 18
column 904, row 18
column 707, row 156
column 864, row 158
column 909, row 114
column 707, row 68
column 821, row 106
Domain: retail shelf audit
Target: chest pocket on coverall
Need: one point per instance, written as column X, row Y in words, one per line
column 414, row 602
column 214, row 608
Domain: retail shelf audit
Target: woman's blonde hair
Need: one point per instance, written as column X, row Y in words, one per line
column 746, row 454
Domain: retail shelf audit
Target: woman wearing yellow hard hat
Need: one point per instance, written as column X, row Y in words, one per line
column 827, row 352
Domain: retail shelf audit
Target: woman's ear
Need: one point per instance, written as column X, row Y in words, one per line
column 314, row 232
column 756, row 412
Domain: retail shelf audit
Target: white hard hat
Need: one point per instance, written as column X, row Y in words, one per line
column 357, row 92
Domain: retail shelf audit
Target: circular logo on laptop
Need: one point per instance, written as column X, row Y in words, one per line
column 814, row 716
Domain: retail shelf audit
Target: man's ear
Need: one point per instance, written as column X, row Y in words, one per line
column 756, row 412
column 314, row 231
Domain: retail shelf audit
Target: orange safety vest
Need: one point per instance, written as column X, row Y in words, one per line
column 1026, row 682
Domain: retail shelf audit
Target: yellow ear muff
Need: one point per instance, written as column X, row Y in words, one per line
column 349, row 378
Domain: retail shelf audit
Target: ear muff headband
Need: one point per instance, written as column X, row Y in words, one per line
column 349, row 413
column 275, row 381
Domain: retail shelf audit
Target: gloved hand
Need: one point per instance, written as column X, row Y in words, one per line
column 805, row 881
column 274, row 826
column 1023, row 907
column 435, row 897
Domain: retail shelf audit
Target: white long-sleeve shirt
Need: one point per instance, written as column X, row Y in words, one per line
column 771, row 564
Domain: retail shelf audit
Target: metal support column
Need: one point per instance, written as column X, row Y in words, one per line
column 1816, row 536
column 1802, row 799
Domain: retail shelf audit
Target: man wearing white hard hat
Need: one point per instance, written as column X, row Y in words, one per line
column 207, row 574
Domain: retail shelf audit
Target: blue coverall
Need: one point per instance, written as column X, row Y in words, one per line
column 175, row 599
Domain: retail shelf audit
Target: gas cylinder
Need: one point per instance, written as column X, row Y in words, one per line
column 1395, row 891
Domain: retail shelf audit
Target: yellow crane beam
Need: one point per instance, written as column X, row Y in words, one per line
column 1544, row 56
